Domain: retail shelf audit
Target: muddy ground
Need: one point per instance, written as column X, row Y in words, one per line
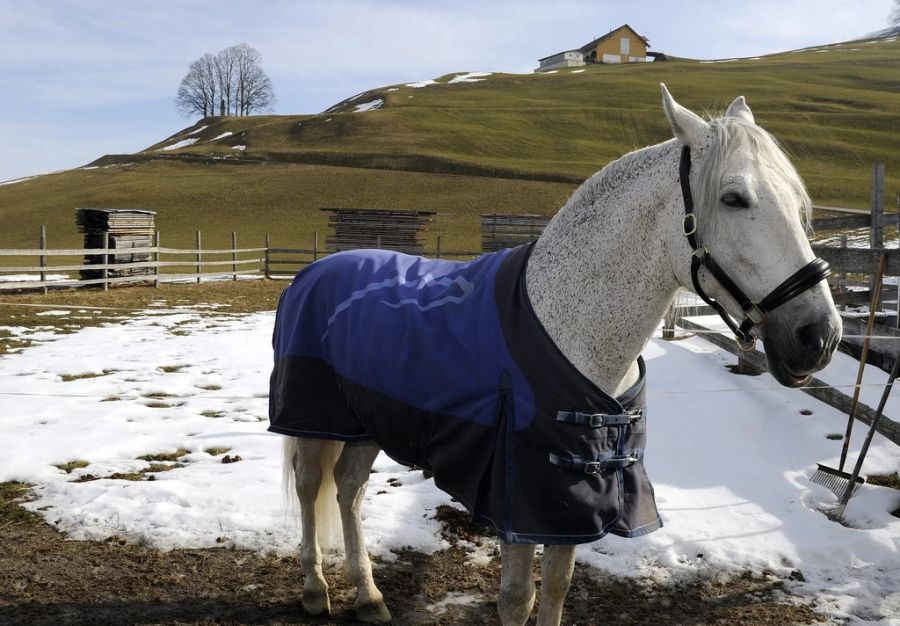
column 46, row 579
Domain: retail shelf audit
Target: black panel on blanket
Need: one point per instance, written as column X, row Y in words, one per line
column 502, row 471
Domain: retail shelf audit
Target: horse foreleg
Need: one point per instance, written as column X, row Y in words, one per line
column 556, row 574
column 313, row 461
column 352, row 476
column 516, row 583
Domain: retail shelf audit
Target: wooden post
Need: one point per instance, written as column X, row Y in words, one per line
column 669, row 320
column 842, row 286
column 266, row 262
column 378, row 242
column 199, row 259
column 438, row 254
column 234, row 255
column 158, row 268
column 104, row 273
column 42, row 258
column 315, row 246
column 876, row 238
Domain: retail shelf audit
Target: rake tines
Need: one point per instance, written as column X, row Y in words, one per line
column 836, row 481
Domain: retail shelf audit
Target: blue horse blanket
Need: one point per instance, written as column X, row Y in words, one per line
column 446, row 367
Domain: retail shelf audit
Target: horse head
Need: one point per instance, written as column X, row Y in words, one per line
column 743, row 245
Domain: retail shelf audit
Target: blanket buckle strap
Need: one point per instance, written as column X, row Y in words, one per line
column 600, row 420
column 576, row 463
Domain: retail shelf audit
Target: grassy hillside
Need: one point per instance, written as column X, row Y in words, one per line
column 509, row 143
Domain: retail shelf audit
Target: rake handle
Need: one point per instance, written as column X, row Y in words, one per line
column 863, row 357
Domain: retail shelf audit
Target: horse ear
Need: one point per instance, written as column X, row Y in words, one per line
column 689, row 129
column 739, row 108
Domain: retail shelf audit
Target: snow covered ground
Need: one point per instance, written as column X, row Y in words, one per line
column 729, row 456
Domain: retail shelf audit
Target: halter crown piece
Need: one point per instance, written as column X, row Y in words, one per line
column 754, row 312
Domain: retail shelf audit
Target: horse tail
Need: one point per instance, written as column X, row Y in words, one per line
column 327, row 513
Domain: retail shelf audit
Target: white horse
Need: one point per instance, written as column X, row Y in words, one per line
column 599, row 279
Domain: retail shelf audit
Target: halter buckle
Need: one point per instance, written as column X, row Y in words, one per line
column 760, row 315
column 685, row 228
column 746, row 345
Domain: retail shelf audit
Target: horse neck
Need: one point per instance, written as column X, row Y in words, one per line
column 599, row 277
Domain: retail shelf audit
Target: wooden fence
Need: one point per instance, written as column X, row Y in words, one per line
column 167, row 265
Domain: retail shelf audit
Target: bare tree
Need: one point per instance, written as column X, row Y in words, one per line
column 894, row 17
column 253, row 88
column 197, row 92
column 232, row 82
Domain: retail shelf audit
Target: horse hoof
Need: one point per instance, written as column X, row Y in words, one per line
column 373, row 613
column 316, row 603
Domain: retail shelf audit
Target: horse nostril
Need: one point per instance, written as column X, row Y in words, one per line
column 812, row 337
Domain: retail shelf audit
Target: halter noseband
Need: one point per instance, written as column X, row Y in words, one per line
column 754, row 312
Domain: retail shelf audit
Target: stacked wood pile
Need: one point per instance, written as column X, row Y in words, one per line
column 377, row 228
column 507, row 231
column 128, row 230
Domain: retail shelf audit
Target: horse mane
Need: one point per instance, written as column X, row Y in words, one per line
column 734, row 136
column 731, row 136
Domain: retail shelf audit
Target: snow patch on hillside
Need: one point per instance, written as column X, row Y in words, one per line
column 198, row 130
column 421, row 83
column 369, row 106
column 471, row 77
column 180, row 144
column 223, row 135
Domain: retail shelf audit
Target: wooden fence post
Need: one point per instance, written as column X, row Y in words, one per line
column 158, row 268
column 669, row 321
column 266, row 262
column 199, row 259
column 876, row 238
column 842, row 286
column 438, row 253
column 315, row 246
column 42, row 258
column 234, row 255
column 104, row 273
column 378, row 242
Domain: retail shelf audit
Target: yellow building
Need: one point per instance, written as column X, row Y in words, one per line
column 622, row 45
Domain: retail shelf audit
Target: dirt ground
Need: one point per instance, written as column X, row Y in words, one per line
column 46, row 579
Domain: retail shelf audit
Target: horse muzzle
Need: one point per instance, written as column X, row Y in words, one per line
column 795, row 350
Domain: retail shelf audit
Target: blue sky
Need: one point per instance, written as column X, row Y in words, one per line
column 85, row 78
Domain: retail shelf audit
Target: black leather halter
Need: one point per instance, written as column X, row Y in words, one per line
column 754, row 312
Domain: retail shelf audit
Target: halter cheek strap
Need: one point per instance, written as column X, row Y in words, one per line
column 754, row 312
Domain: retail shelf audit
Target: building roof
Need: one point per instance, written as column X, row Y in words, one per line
column 558, row 53
column 590, row 46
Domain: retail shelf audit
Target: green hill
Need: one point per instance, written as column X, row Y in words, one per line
column 504, row 143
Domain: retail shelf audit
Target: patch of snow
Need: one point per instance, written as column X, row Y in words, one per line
column 729, row 456
column 90, row 167
column 53, row 313
column 239, row 147
column 194, row 132
column 394, row 89
column 24, row 278
column 721, row 61
column 421, row 83
column 223, row 135
column 17, row 180
column 180, row 144
column 577, row 71
column 550, row 72
column 471, row 77
column 369, row 106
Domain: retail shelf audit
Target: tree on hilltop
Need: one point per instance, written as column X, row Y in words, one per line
column 231, row 82
column 894, row 18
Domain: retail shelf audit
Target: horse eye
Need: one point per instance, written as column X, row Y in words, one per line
column 735, row 200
